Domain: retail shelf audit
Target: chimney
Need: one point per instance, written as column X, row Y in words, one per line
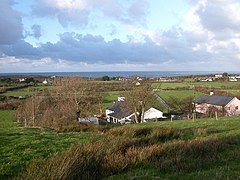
column 211, row 93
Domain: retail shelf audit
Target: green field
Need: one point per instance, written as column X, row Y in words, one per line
column 26, row 91
column 172, row 85
column 175, row 85
column 19, row 145
column 233, row 91
column 217, row 84
column 109, row 97
column 178, row 94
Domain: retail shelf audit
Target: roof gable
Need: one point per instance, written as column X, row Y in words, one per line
column 215, row 100
column 119, row 110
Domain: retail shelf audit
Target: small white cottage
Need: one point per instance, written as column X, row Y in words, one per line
column 153, row 115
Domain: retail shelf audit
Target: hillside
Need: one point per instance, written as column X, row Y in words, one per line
column 204, row 148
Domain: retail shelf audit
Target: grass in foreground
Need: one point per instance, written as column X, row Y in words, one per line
column 177, row 150
column 20, row 145
column 203, row 148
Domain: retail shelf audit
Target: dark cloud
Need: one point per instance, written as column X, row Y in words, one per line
column 20, row 49
column 94, row 49
column 36, row 31
column 10, row 23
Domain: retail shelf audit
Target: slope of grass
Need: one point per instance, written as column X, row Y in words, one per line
column 20, row 145
column 204, row 148
column 163, row 150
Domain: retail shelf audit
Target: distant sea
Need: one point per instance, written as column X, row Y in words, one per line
column 119, row 73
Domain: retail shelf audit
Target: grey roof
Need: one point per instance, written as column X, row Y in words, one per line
column 93, row 120
column 119, row 110
column 214, row 100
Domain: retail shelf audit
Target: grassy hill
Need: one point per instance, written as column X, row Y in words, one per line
column 199, row 149
column 20, row 145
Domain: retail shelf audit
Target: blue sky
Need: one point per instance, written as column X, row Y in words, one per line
column 119, row 35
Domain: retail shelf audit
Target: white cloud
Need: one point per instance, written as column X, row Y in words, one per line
column 78, row 12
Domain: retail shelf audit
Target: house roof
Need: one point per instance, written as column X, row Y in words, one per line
column 214, row 100
column 119, row 111
column 93, row 120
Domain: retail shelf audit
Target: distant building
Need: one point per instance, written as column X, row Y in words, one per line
column 45, row 82
column 218, row 75
column 138, row 83
column 207, row 80
column 22, row 79
column 233, row 79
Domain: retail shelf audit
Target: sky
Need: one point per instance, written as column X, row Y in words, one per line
column 119, row 35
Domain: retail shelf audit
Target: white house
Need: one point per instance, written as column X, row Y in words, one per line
column 207, row 80
column 118, row 113
column 218, row 75
column 138, row 83
column 153, row 114
column 229, row 104
column 22, row 79
column 45, row 82
column 233, row 79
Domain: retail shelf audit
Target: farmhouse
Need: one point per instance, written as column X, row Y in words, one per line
column 228, row 104
column 118, row 113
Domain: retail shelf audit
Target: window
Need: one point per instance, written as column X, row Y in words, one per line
column 236, row 107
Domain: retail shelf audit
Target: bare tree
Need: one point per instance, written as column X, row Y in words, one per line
column 138, row 99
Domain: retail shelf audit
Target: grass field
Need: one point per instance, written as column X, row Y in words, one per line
column 166, row 85
column 19, row 145
column 233, row 91
column 178, row 94
column 109, row 97
column 217, row 84
column 174, row 85
column 26, row 91
column 227, row 165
